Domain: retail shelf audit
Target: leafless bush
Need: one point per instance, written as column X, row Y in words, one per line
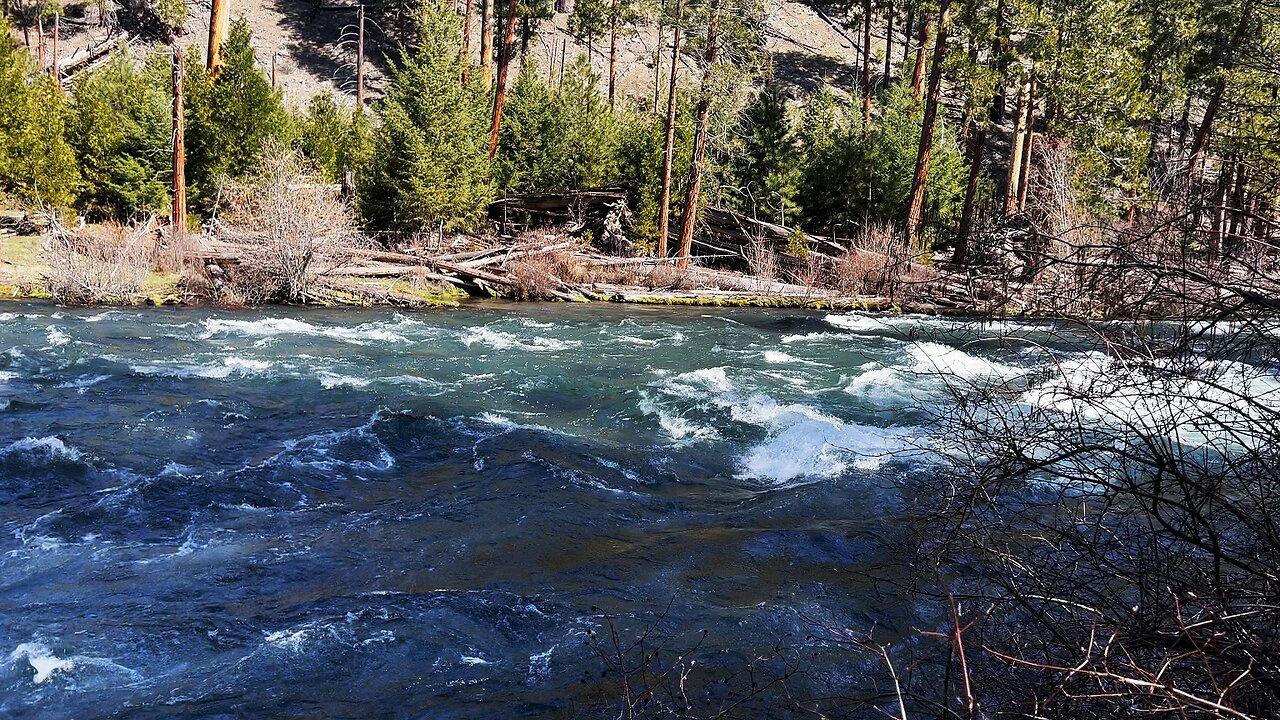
column 878, row 262
column 666, row 276
column 533, row 277
column 761, row 260
column 98, row 263
column 287, row 230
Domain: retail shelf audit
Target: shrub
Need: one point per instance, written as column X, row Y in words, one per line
column 98, row 263
column 288, row 230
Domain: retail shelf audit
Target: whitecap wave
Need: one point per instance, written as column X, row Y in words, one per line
column 499, row 340
column 217, row 371
column 364, row 334
column 45, row 449
column 41, row 659
column 56, row 337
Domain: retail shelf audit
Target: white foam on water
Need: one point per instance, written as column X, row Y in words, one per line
column 499, row 340
column 6, row 317
column 45, row 448
column 218, row 371
column 936, row 358
column 41, row 659
column 676, row 427
column 330, row 381
column 7, row 375
column 925, row 372
column 82, row 384
column 317, row 450
column 810, row 447
column 475, row 660
column 271, row 327
column 812, row 338
column 858, row 323
column 56, row 337
column 1221, row 404
column 540, row 665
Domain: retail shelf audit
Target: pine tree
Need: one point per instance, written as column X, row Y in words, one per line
column 120, row 130
column 428, row 163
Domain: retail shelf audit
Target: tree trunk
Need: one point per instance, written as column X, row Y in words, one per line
column 504, row 63
column 1238, row 220
column 1024, row 175
column 917, row 77
column 915, row 208
column 689, row 215
column 466, row 36
column 1015, row 152
column 178, row 220
column 219, row 18
column 998, row 52
column 613, row 49
column 866, row 64
column 360, row 60
column 977, row 145
column 888, row 42
column 486, row 43
column 1215, row 99
column 906, row 33
column 668, row 152
column 57, row 51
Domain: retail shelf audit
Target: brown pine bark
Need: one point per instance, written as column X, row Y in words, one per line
column 466, row 36
column 1015, row 152
column 360, row 60
column 1215, row 98
column 915, row 208
column 906, row 33
column 668, row 148
column 866, row 64
column 657, row 64
column 178, row 220
column 689, row 215
column 486, row 43
column 55, row 70
column 917, row 76
column 504, row 64
column 1028, row 136
column 219, row 18
column 977, row 145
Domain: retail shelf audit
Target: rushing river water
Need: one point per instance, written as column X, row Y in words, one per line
column 375, row 514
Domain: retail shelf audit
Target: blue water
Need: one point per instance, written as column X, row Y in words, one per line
column 365, row 514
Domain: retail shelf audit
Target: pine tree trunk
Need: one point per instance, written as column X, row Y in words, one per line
column 486, row 43
column 1015, row 152
column 178, row 219
column 1238, row 220
column 668, row 148
column 888, row 43
column 866, row 64
column 1024, row 174
column 922, row 53
column 219, row 18
column 915, row 208
column 613, row 49
column 57, row 51
column 1215, row 99
column 998, row 51
column 689, row 215
column 504, row 64
column 977, row 145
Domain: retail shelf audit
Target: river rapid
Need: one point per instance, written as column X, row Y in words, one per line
column 366, row 514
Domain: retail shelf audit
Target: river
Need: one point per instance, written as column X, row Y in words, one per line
column 365, row 514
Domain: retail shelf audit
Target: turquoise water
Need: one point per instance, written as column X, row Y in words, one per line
column 367, row 514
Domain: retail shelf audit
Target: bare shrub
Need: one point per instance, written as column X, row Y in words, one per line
column 761, row 260
column 287, row 229
column 877, row 262
column 533, row 277
column 666, row 276
column 98, row 263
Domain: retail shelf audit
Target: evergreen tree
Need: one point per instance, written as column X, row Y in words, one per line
column 765, row 169
column 228, row 120
column 332, row 137
column 429, row 162
column 120, row 127
column 36, row 162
